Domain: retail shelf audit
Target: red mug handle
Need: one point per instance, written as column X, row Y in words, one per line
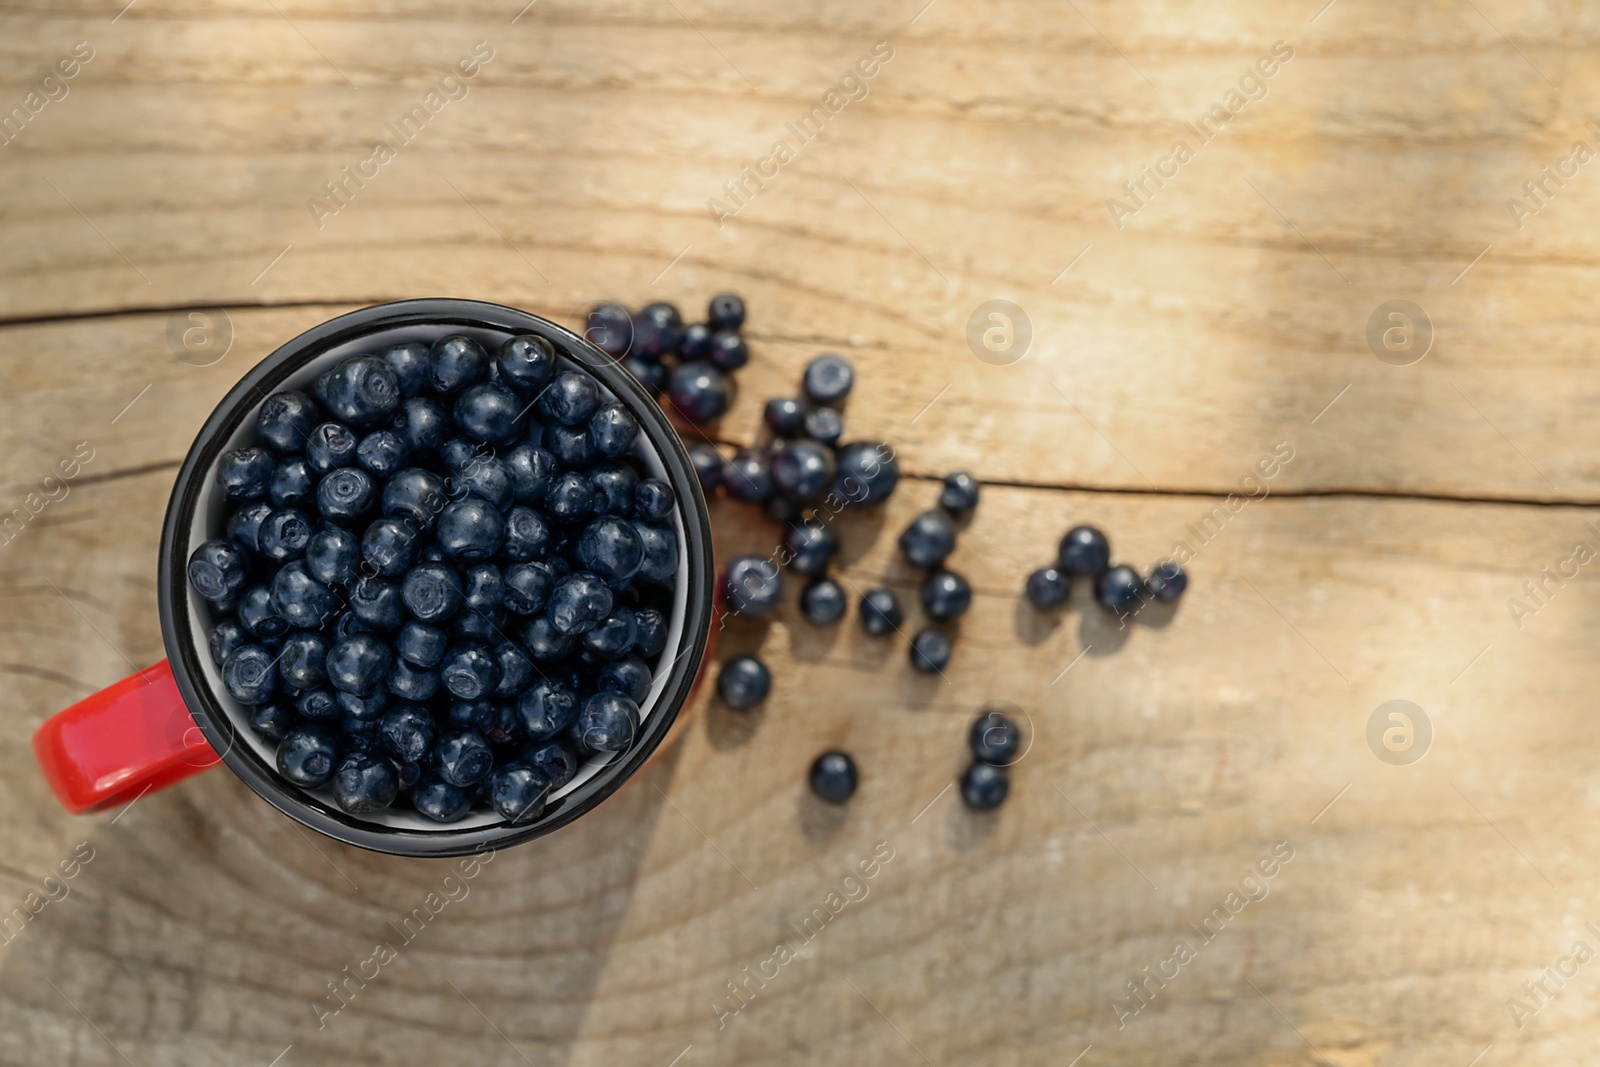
column 121, row 743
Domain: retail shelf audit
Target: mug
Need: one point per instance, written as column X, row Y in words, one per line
column 175, row 719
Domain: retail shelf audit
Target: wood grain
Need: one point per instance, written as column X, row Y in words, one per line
column 1226, row 319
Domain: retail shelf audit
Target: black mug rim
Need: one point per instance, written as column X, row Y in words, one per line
column 242, row 401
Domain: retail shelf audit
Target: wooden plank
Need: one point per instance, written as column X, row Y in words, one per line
column 1166, row 760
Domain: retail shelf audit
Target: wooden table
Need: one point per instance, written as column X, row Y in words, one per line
column 1214, row 317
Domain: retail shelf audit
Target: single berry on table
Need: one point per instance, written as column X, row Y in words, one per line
column 984, row 786
column 928, row 540
column 828, row 379
column 696, row 343
column 930, row 651
column 880, row 612
column 822, row 602
column 833, row 777
column 744, row 682
column 1084, row 550
column 945, row 595
column 960, row 493
column 994, row 738
column 1167, row 581
column 752, row 586
column 1046, row 588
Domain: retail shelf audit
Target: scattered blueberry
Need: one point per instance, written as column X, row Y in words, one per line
column 707, row 462
column 945, row 595
column 822, row 602
column 698, row 390
column 833, row 777
column 1119, row 589
column 1084, row 550
column 726, row 311
column 828, row 379
column 809, row 547
column 752, row 586
column 609, row 327
column 802, row 470
column 657, row 331
column 1167, row 582
column 867, row 474
column 1046, row 588
column 748, row 476
column 930, row 651
column 744, row 682
column 994, row 738
column 880, row 612
column 984, row 786
column 928, row 540
column 727, row 351
column 825, row 425
column 960, row 493
column 784, row 417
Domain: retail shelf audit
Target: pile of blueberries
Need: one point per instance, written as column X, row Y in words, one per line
column 1084, row 552
column 690, row 363
column 444, row 577
column 926, row 543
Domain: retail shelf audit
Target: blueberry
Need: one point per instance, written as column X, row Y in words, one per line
column 257, row 615
column 364, row 784
column 960, row 493
column 407, row 732
column 286, row 420
column 828, row 379
column 833, row 777
column 782, row 510
column 727, row 350
column 822, row 602
column 984, row 786
column 470, row 529
column 470, row 672
column 382, row 453
column 460, row 452
column 390, row 546
column 432, row 592
column 752, row 586
column 358, row 664
column 331, row 556
column 653, row 500
column 416, row 495
column 659, row 548
column 421, row 425
column 217, row 570
column 628, row 676
column 485, row 477
column 555, row 760
column 345, row 495
column 420, row 645
column 527, row 588
column 657, row 331
column 945, row 595
column 272, row 721
column 699, row 391
column 1084, row 550
column 571, row 445
column 362, row 390
column 744, row 682
column 412, row 683
column 516, row 669
column 578, row 603
column 244, row 525
column 650, row 632
column 609, row 328
column 608, row 722
column 802, row 470
column 930, row 651
column 349, row 623
column 748, row 476
column 440, row 801
column 226, row 636
column 464, row 758
column 292, row 484
column 532, row 469
column 570, row 498
column 546, row 708
column 653, row 376
column 484, row 587
column 305, row 756
column 569, row 399
column 477, row 627
column 707, row 463
column 250, row 674
column 783, row 416
column 726, row 311
column 1046, row 588
column 318, row 704
column 611, row 548
column 696, row 343
column 994, row 738
column 880, row 612
column 1167, row 581
column 476, row 715
column 409, row 362
column 488, row 412
column 528, row 537
column 243, row 473
column 612, row 637
column 457, row 362
column 1119, row 589
column 518, row 792
column 868, row 472
column 825, row 425
column 527, row 361
column 928, row 540
column 809, row 546
column 330, row 446
column 613, row 485
column 300, row 598
column 361, row 709
column 377, row 604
